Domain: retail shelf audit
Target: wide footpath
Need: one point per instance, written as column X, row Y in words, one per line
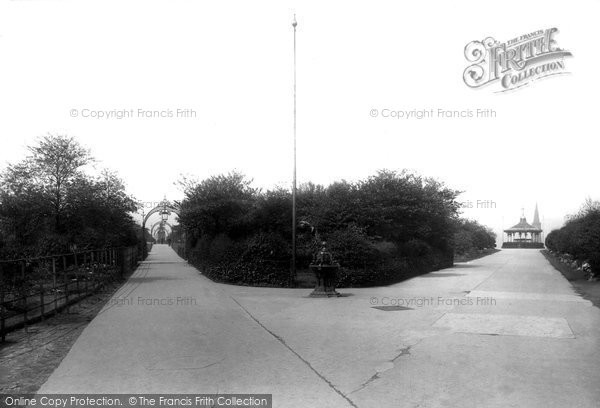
column 506, row 330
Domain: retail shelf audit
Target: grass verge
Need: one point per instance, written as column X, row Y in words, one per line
column 588, row 290
column 474, row 255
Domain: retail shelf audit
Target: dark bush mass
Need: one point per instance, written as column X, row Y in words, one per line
column 579, row 238
column 386, row 228
column 472, row 238
column 48, row 205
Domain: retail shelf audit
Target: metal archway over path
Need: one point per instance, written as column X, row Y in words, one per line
column 164, row 207
column 159, row 223
column 162, row 228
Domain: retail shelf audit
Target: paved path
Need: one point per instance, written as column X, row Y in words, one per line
column 506, row 330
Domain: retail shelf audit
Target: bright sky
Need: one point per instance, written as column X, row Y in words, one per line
column 232, row 63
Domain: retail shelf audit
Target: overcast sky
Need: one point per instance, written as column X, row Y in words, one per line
column 232, row 63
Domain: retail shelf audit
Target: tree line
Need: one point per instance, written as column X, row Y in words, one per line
column 50, row 205
column 579, row 238
column 382, row 229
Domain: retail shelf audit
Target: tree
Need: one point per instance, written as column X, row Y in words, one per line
column 588, row 207
column 52, row 164
column 397, row 224
column 48, row 203
column 580, row 236
column 219, row 204
column 471, row 236
column 404, row 206
column 97, row 211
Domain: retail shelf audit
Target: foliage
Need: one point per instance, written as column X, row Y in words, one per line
column 470, row 237
column 579, row 238
column 395, row 224
column 217, row 205
column 49, row 205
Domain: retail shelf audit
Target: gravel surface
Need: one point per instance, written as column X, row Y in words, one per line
column 31, row 354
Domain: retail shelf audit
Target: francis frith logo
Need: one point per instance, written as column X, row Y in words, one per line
column 514, row 63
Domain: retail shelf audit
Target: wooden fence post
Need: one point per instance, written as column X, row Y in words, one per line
column 84, row 275
column 54, row 285
column 92, row 271
column 122, row 259
column 24, row 294
column 2, row 323
column 77, row 270
column 65, row 281
column 42, row 299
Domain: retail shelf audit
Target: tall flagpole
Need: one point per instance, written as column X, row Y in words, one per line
column 293, row 271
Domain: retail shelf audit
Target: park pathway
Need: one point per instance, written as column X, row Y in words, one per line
column 506, row 330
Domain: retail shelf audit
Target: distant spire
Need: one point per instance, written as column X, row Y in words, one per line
column 536, row 218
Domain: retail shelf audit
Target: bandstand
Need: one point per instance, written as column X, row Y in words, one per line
column 523, row 234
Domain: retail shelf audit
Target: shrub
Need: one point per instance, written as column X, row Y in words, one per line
column 49, row 204
column 470, row 237
column 352, row 247
column 579, row 238
column 383, row 229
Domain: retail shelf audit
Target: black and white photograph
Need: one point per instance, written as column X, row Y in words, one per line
column 290, row 204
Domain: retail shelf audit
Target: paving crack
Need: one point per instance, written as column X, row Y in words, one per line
column 366, row 383
column 403, row 352
column 282, row 341
column 184, row 368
